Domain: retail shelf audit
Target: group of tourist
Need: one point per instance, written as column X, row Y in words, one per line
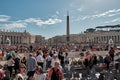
column 38, row 64
column 44, row 63
column 92, row 59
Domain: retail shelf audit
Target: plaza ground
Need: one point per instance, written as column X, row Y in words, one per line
column 71, row 54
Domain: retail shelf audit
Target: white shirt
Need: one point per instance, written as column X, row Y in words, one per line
column 53, row 61
column 39, row 58
column 22, row 76
column 39, row 77
column 49, row 58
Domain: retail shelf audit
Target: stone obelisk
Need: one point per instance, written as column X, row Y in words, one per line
column 67, row 30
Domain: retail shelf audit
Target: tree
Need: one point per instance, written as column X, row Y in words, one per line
column 90, row 30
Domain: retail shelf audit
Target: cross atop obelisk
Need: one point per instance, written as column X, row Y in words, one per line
column 67, row 29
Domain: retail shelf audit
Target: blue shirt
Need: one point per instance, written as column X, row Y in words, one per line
column 31, row 64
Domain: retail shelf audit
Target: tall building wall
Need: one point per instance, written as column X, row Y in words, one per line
column 14, row 37
column 98, row 37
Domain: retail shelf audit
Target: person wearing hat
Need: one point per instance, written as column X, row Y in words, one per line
column 54, row 59
column 22, row 73
column 39, row 75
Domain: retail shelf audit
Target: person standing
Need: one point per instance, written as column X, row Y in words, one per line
column 87, row 60
column 67, row 58
column 94, row 60
column 111, row 53
column 22, row 73
column 23, row 60
column 55, row 73
column 107, row 60
column 39, row 59
column 39, row 75
column 48, row 60
column 62, row 59
column 2, row 74
column 10, row 65
column 54, row 59
column 31, row 65
column 16, row 64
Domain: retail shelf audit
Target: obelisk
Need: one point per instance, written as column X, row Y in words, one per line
column 67, row 30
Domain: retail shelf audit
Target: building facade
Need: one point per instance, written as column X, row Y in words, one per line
column 13, row 38
column 97, row 37
column 7, row 37
column 39, row 40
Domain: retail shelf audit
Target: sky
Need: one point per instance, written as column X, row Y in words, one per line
column 48, row 17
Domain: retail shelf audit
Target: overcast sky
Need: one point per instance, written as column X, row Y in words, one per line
column 48, row 17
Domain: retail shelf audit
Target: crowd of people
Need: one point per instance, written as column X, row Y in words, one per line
column 38, row 64
column 93, row 59
column 45, row 63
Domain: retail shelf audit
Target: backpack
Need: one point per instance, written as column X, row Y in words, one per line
column 8, row 55
column 55, row 74
column 107, row 59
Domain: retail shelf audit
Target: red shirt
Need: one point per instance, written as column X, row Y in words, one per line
column 88, row 57
column 55, row 68
column 1, row 74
